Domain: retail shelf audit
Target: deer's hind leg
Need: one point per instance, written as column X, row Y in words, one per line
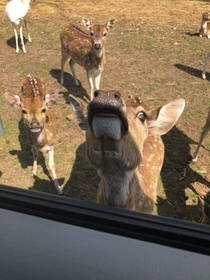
column 71, row 64
column 64, row 58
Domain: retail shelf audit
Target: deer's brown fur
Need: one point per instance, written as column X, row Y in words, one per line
column 87, row 50
column 205, row 25
column 38, row 114
column 123, row 144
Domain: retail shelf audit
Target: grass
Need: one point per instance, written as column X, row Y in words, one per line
column 144, row 62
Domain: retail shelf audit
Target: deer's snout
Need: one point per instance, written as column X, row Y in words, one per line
column 108, row 106
column 35, row 125
column 97, row 46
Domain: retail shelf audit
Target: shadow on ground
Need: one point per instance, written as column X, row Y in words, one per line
column 177, row 178
column 83, row 180
column 190, row 70
column 70, row 86
column 12, row 44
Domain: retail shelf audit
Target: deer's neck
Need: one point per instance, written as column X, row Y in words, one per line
column 97, row 54
column 116, row 182
column 204, row 24
column 37, row 138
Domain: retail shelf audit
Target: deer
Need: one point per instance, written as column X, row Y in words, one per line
column 123, row 143
column 204, row 132
column 87, row 50
column 205, row 66
column 38, row 110
column 16, row 11
column 205, row 25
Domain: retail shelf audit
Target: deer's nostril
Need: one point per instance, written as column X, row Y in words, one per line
column 97, row 46
column 96, row 93
column 117, row 95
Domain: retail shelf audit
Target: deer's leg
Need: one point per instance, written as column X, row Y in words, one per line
column 35, row 157
column 90, row 81
column 51, row 164
column 71, row 64
column 26, row 25
column 205, row 130
column 98, row 79
column 205, row 65
column 64, row 58
column 16, row 40
column 21, row 38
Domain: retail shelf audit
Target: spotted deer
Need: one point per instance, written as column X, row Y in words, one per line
column 205, row 66
column 204, row 132
column 38, row 114
column 205, row 25
column 87, row 50
column 123, row 144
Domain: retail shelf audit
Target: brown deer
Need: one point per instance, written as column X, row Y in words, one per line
column 205, row 66
column 123, row 144
column 38, row 114
column 205, row 25
column 204, row 132
column 87, row 50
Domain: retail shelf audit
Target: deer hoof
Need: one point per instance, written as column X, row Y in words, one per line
column 203, row 76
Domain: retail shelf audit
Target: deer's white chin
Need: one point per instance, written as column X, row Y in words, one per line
column 35, row 130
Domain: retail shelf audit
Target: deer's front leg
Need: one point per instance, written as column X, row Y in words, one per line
column 16, row 40
column 205, row 66
column 98, row 79
column 22, row 40
column 90, row 80
column 51, row 164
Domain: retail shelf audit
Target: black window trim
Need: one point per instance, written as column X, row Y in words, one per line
column 155, row 229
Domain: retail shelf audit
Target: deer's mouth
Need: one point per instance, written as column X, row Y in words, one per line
column 109, row 124
column 35, row 127
column 35, row 130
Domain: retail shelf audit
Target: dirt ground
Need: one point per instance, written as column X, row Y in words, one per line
column 154, row 52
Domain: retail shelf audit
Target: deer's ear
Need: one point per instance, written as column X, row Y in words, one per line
column 13, row 99
column 167, row 116
column 78, row 110
column 87, row 23
column 110, row 23
column 50, row 97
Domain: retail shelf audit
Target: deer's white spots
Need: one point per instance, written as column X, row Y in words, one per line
column 130, row 186
column 85, row 50
column 37, row 106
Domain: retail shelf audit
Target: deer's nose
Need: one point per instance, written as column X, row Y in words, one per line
column 97, row 46
column 34, row 123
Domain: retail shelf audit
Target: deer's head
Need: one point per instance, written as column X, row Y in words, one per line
column 116, row 130
column 98, row 32
column 34, row 103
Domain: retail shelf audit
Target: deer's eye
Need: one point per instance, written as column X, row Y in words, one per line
column 91, row 33
column 141, row 116
column 43, row 110
column 23, row 111
column 104, row 34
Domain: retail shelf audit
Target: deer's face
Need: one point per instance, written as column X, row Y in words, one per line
column 34, row 112
column 116, row 130
column 98, row 36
